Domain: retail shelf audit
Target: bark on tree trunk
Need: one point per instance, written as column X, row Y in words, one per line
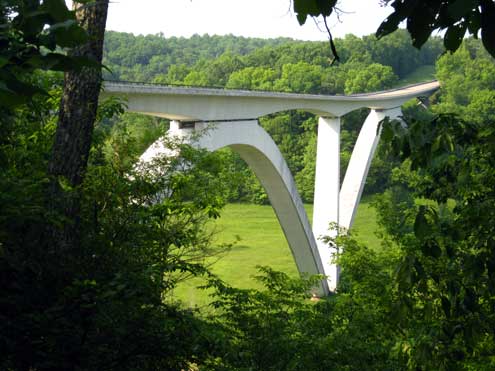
column 75, row 127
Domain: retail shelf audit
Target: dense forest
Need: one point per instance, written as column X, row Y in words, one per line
column 238, row 62
column 423, row 300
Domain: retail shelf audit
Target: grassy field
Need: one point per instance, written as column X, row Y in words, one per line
column 260, row 242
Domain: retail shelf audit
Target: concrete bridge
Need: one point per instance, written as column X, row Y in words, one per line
column 229, row 118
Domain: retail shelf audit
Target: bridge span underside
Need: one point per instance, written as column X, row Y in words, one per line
column 228, row 118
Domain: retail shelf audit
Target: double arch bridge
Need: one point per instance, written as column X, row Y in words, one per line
column 229, row 118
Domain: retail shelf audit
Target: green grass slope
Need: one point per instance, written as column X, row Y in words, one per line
column 421, row 74
column 260, row 241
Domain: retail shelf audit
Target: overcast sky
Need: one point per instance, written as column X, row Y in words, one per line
column 252, row 18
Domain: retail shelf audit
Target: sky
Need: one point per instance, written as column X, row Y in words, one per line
column 250, row 18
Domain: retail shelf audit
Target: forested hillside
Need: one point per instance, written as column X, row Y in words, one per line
column 277, row 65
column 239, row 62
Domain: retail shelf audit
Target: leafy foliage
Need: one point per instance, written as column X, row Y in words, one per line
column 445, row 276
column 31, row 35
column 455, row 17
column 467, row 77
column 280, row 329
column 79, row 310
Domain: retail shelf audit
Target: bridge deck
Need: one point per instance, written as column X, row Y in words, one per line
column 193, row 103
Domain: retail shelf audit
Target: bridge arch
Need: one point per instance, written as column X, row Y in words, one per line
column 259, row 151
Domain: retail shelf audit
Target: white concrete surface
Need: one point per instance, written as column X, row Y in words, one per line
column 359, row 164
column 196, row 104
column 327, row 187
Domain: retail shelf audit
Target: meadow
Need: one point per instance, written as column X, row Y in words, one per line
column 258, row 240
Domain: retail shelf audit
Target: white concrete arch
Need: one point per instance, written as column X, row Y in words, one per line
column 260, row 152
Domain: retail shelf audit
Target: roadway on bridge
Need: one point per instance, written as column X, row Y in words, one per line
column 207, row 104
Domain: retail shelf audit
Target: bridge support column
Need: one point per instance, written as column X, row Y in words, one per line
column 327, row 186
column 359, row 164
column 335, row 204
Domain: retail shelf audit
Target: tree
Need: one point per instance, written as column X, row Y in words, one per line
column 299, row 78
column 259, row 78
column 77, row 310
column 445, row 277
column 77, row 115
column 29, row 30
column 467, row 78
column 370, row 78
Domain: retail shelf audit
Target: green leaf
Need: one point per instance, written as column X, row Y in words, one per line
column 474, row 23
column 48, row 41
column 488, row 27
column 70, row 36
column 303, row 8
column 422, row 228
column 454, row 36
column 57, row 9
column 3, row 61
column 21, row 88
column 51, row 61
column 402, row 10
column 313, row 8
column 431, row 248
column 65, row 184
column 405, row 272
column 301, row 18
column 419, row 26
column 325, row 7
column 10, row 100
column 388, row 26
column 460, row 8
column 60, row 62
column 32, row 24
column 66, row 24
column 446, row 306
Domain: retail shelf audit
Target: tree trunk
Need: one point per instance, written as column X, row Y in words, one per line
column 73, row 136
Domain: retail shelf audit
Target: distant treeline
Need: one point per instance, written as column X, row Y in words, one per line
column 263, row 63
